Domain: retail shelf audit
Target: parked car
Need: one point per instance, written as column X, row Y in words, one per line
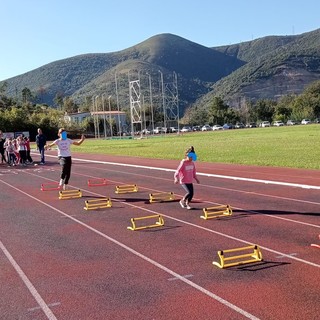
column 157, row 130
column 251, row 125
column 173, row 129
column 145, row 131
column 278, row 123
column 196, row 128
column 186, row 129
column 291, row 123
column 305, row 121
column 206, row 127
column 217, row 127
column 264, row 124
column 227, row 126
column 239, row 125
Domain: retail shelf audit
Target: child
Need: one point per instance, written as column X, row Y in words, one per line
column 28, row 149
column 10, row 152
column 64, row 155
column 185, row 173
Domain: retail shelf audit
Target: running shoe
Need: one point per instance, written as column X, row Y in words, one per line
column 182, row 203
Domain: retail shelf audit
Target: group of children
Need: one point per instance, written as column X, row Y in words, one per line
column 15, row 151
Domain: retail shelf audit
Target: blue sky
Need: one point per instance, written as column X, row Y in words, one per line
column 37, row 32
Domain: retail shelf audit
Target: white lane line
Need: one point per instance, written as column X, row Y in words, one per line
column 54, row 304
column 138, row 254
column 238, row 208
column 28, row 284
column 289, row 254
column 186, row 276
column 288, row 184
column 206, row 229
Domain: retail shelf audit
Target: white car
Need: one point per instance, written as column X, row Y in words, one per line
column 186, row 129
column 206, row 127
column 217, row 127
column 305, row 121
column 264, row 124
column 278, row 124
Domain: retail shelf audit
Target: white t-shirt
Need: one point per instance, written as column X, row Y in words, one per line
column 64, row 147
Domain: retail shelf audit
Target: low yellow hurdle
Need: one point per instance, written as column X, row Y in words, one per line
column 158, row 223
column 126, row 188
column 162, row 196
column 254, row 255
column 68, row 194
column 98, row 204
column 215, row 212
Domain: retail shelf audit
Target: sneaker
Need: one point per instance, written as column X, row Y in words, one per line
column 182, row 203
column 41, row 162
column 64, row 187
column 188, row 207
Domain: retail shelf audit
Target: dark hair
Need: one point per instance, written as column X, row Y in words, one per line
column 190, row 149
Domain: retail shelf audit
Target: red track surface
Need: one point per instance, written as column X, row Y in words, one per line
column 59, row 261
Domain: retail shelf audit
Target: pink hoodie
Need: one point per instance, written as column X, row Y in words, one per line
column 186, row 171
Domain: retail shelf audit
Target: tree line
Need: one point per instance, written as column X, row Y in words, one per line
column 294, row 107
column 25, row 115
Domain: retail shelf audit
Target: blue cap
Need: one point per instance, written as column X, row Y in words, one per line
column 192, row 155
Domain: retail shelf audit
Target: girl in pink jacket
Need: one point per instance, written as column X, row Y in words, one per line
column 185, row 174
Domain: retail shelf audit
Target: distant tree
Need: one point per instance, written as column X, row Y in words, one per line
column 3, row 88
column 218, row 111
column 26, row 95
column 58, row 100
column 196, row 116
column 40, row 94
column 69, row 105
column 264, row 110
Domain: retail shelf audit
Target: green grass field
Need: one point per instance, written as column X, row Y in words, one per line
column 294, row 146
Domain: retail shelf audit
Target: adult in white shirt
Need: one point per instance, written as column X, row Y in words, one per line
column 64, row 155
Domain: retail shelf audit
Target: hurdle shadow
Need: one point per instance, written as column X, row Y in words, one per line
column 163, row 228
column 277, row 212
column 257, row 266
column 130, row 200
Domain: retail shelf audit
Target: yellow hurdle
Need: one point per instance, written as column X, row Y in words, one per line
column 163, row 196
column 254, row 255
column 126, row 188
column 215, row 212
column 98, row 204
column 68, row 194
column 158, row 223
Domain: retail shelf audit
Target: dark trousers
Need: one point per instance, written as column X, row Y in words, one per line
column 65, row 163
column 3, row 158
column 29, row 156
column 23, row 156
column 188, row 187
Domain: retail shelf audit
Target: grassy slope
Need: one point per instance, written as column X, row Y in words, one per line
column 295, row 147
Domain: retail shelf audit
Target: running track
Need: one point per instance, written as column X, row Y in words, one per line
column 59, row 261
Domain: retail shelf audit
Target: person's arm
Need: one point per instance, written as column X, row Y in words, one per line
column 77, row 143
column 195, row 175
column 46, row 146
column 176, row 174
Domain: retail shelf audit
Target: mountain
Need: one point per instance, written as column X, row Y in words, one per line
column 196, row 66
column 268, row 67
column 275, row 66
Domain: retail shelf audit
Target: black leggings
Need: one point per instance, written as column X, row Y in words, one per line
column 188, row 187
column 3, row 158
column 65, row 163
